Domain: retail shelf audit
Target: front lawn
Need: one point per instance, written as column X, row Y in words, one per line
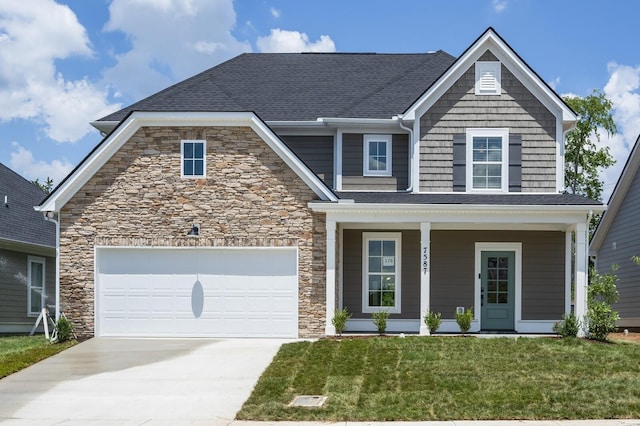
column 18, row 352
column 446, row 378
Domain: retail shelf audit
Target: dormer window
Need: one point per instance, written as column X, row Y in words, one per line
column 488, row 78
column 377, row 155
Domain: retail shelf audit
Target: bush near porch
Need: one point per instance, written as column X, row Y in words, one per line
column 446, row 378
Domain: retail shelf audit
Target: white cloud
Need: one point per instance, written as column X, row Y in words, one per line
column 170, row 41
column 275, row 12
column 33, row 35
column 22, row 161
column 623, row 90
column 499, row 5
column 293, row 42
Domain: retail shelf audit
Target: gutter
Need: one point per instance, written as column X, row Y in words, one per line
column 55, row 218
column 399, row 118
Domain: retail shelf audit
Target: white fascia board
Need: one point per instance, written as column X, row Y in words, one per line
column 136, row 120
column 508, row 57
column 619, row 194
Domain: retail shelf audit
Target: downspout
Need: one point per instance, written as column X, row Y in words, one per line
column 52, row 217
column 411, row 153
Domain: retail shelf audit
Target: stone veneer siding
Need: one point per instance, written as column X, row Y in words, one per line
column 460, row 108
column 249, row 198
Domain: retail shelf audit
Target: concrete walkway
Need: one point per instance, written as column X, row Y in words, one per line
column 137, row 381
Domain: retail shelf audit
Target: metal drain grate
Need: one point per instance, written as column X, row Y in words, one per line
column 312, row 401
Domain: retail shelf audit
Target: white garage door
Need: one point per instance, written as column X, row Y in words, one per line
column 188, row 292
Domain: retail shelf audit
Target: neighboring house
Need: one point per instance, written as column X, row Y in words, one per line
column 27, row 254
column 309, row 182
column 617, row 239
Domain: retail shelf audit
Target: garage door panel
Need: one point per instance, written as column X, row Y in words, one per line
column 155, row 292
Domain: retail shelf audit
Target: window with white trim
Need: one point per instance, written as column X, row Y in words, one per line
column 193, row 154
column 35, row 285
column 487, row 159
column 381, row 271
column 377, row 155
column 488, row 78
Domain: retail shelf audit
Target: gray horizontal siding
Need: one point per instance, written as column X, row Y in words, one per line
column 13, row 291
column 410, row 273
column 352, row 165
column 517, row 109
column 624, row 232
column 453, row 270
column 316, row 152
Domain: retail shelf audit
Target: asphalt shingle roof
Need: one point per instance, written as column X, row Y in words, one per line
column 18, row 220
column 519, row 199
column 303, row 86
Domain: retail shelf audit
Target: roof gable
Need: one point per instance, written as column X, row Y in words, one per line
column 491, row 41
column 127, row 128
column 624, row 184
column 19, row 222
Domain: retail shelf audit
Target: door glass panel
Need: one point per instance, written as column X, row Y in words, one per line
column 497, row 279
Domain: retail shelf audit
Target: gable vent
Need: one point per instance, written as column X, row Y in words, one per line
column 487, row 78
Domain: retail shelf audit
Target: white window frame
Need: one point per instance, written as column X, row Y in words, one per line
column 488, row 78
column 377, row 236
column 365, row 160
column 504, row 169
column 204, row 159
column 41, row 260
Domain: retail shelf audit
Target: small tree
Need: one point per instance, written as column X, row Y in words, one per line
column 432, row 321
column 464, row 320
column 339, row 320
column 601, row 295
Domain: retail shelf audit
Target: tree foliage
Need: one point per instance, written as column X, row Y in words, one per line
column 583, row 159
column 47, row 186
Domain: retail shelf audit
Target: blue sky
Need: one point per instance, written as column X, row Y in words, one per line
column 66, row 63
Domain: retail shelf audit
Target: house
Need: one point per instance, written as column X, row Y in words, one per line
column 27, row 255
column 617, row 239
column 257, row 197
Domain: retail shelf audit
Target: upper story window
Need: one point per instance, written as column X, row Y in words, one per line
column 487, row 159
column 488, row 76
column 377, row 155
column 193, row 158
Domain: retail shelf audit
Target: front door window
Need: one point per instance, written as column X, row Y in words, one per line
column 497, row 290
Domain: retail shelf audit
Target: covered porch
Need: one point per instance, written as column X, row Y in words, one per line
column 513, row 264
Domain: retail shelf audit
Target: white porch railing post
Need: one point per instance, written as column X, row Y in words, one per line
column 425, row 267
column 330, row 301
column 582, row 251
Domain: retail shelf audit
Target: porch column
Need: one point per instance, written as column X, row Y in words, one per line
column 330, row 301
column 425, row 283
column 582, row 251
column 568, row 270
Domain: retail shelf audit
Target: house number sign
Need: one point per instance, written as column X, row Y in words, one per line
column 425, row 259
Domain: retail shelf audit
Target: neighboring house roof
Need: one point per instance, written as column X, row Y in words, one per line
column 303, row 86
column 618, row 195
column 520, row 199
column 19, row 222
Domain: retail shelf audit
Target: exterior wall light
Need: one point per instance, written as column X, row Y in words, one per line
column 195, row 230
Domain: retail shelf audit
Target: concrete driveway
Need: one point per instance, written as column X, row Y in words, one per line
column 137, row 381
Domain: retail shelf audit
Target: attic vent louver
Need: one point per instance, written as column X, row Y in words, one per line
column 488, row 78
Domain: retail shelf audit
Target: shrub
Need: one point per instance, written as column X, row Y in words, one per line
column 63, row 330
column 568, row 327
column 340, row 318
column 380, row 320
column 464, row 320
column 601, row 294
column 432, row 321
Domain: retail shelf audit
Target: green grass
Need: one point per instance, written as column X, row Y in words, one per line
column 447, row 378
column 18, row 352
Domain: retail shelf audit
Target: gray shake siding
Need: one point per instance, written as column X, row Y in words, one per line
column 13, row 288
column 621, row 242
column 410, row 273
column 316, row 152
column 516, row 109
column 352, row 168
column 453, row 269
